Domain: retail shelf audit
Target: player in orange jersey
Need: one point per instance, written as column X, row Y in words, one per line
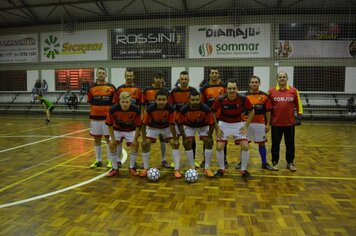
column 210, row 91
column 135, row 93
column 124, row 121
column 149, row 97
column 100, row 98
column 261, row 121
column 159, row 120
column 179, row 97
column 196, row 117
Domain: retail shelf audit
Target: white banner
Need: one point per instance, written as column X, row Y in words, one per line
column 316, row 48
column 19, row 48
column 229, row 41
column 88, row 45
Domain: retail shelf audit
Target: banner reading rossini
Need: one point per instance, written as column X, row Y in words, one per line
column 317, row 40
column 230, row 41
column 148, row 43
column 86, row 45
column 19, row 48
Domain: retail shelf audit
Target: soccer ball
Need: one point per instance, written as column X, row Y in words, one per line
column 153, row 174
column 191, row 176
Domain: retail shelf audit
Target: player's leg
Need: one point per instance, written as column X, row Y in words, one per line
column 146, row 148
column 289, row 133
column 277, row 133
column 129, row 136
column 109, row 154
column 176, row 158
column 96, row 132
column 163, row 149
column 245, row 155
column 220, row 147
column 208, row 144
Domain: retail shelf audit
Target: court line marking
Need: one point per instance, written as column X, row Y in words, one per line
column 44, row 126
column 30, row 167
column 43, row 140
column 124, row 154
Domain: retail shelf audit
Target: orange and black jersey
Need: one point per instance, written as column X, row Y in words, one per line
column 100, row 97
column 261, row 103
column 149, row 95
column 211, row 92
column 135, row 92
column 157, row 118
column 231, row 111
column 195, row 118
column 180, row 97
column 124, row 120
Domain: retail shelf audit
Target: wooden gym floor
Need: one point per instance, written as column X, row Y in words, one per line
column 47, row 188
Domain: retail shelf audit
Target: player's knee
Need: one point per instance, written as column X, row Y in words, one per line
column 244, row 146
column 220, row 146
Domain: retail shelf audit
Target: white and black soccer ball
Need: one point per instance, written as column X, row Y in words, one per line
column 191, row 176
column 153, row 174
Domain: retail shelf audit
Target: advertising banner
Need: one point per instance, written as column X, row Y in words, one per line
column 317, row 40
column 87, row 45
column 148, row 43
column 229, row 41
column 19, row 48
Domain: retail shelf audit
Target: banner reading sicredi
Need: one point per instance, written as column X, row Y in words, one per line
column 86, row 45
column 230, row 41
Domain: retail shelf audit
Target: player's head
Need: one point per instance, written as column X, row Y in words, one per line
column 194, row 99
column 129, row 76
column 162, row 98
column 214, row 74
column 231, row 88
column 184, row 79
column 125, row 100
column 282, row 78
column 254, row 83
column 158, row 80
column 101, row 74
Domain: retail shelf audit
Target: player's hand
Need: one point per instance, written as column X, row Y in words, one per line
column 243, row 130
column 267, row 128
column 210, row 141
column 113, row 146
column 219, row 132
column 175, row 143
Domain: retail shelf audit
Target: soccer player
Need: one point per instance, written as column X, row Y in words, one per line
column 135, row 93
column 231, row 107
column 100, row 98
column 261, row 121
column 197, row 118
column 285, row 99
column 210, row 91
column 159, row 120
column 124, row 121
column 48, row 106
column 149, row 97
column 179, row 97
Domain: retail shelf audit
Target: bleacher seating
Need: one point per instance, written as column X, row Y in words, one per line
column 24, row 103
column 328, row 106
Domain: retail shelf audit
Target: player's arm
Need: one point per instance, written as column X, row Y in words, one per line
column 219, row 131
column 182, row 131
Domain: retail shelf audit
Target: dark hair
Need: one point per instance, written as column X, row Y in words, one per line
column 232, row 81
column 184, row 73
column 213, row 68
column 102, row 68
column 129, row 70
column 255, row 77
column 162, row 92
column 194, row 93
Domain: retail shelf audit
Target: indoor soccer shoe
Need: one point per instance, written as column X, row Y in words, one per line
column 291, row 167
column 266, row 166
column 197, row 165
column 165, row 164
column 112, row 172
column 219, row 173
column 208, row 173
column 133, row 172
column 96, row 164
column 177, row 174
column 109, row 165
column 245, row 174
column 143, row 173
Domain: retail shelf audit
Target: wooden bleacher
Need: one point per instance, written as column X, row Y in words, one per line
column 24, row 103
